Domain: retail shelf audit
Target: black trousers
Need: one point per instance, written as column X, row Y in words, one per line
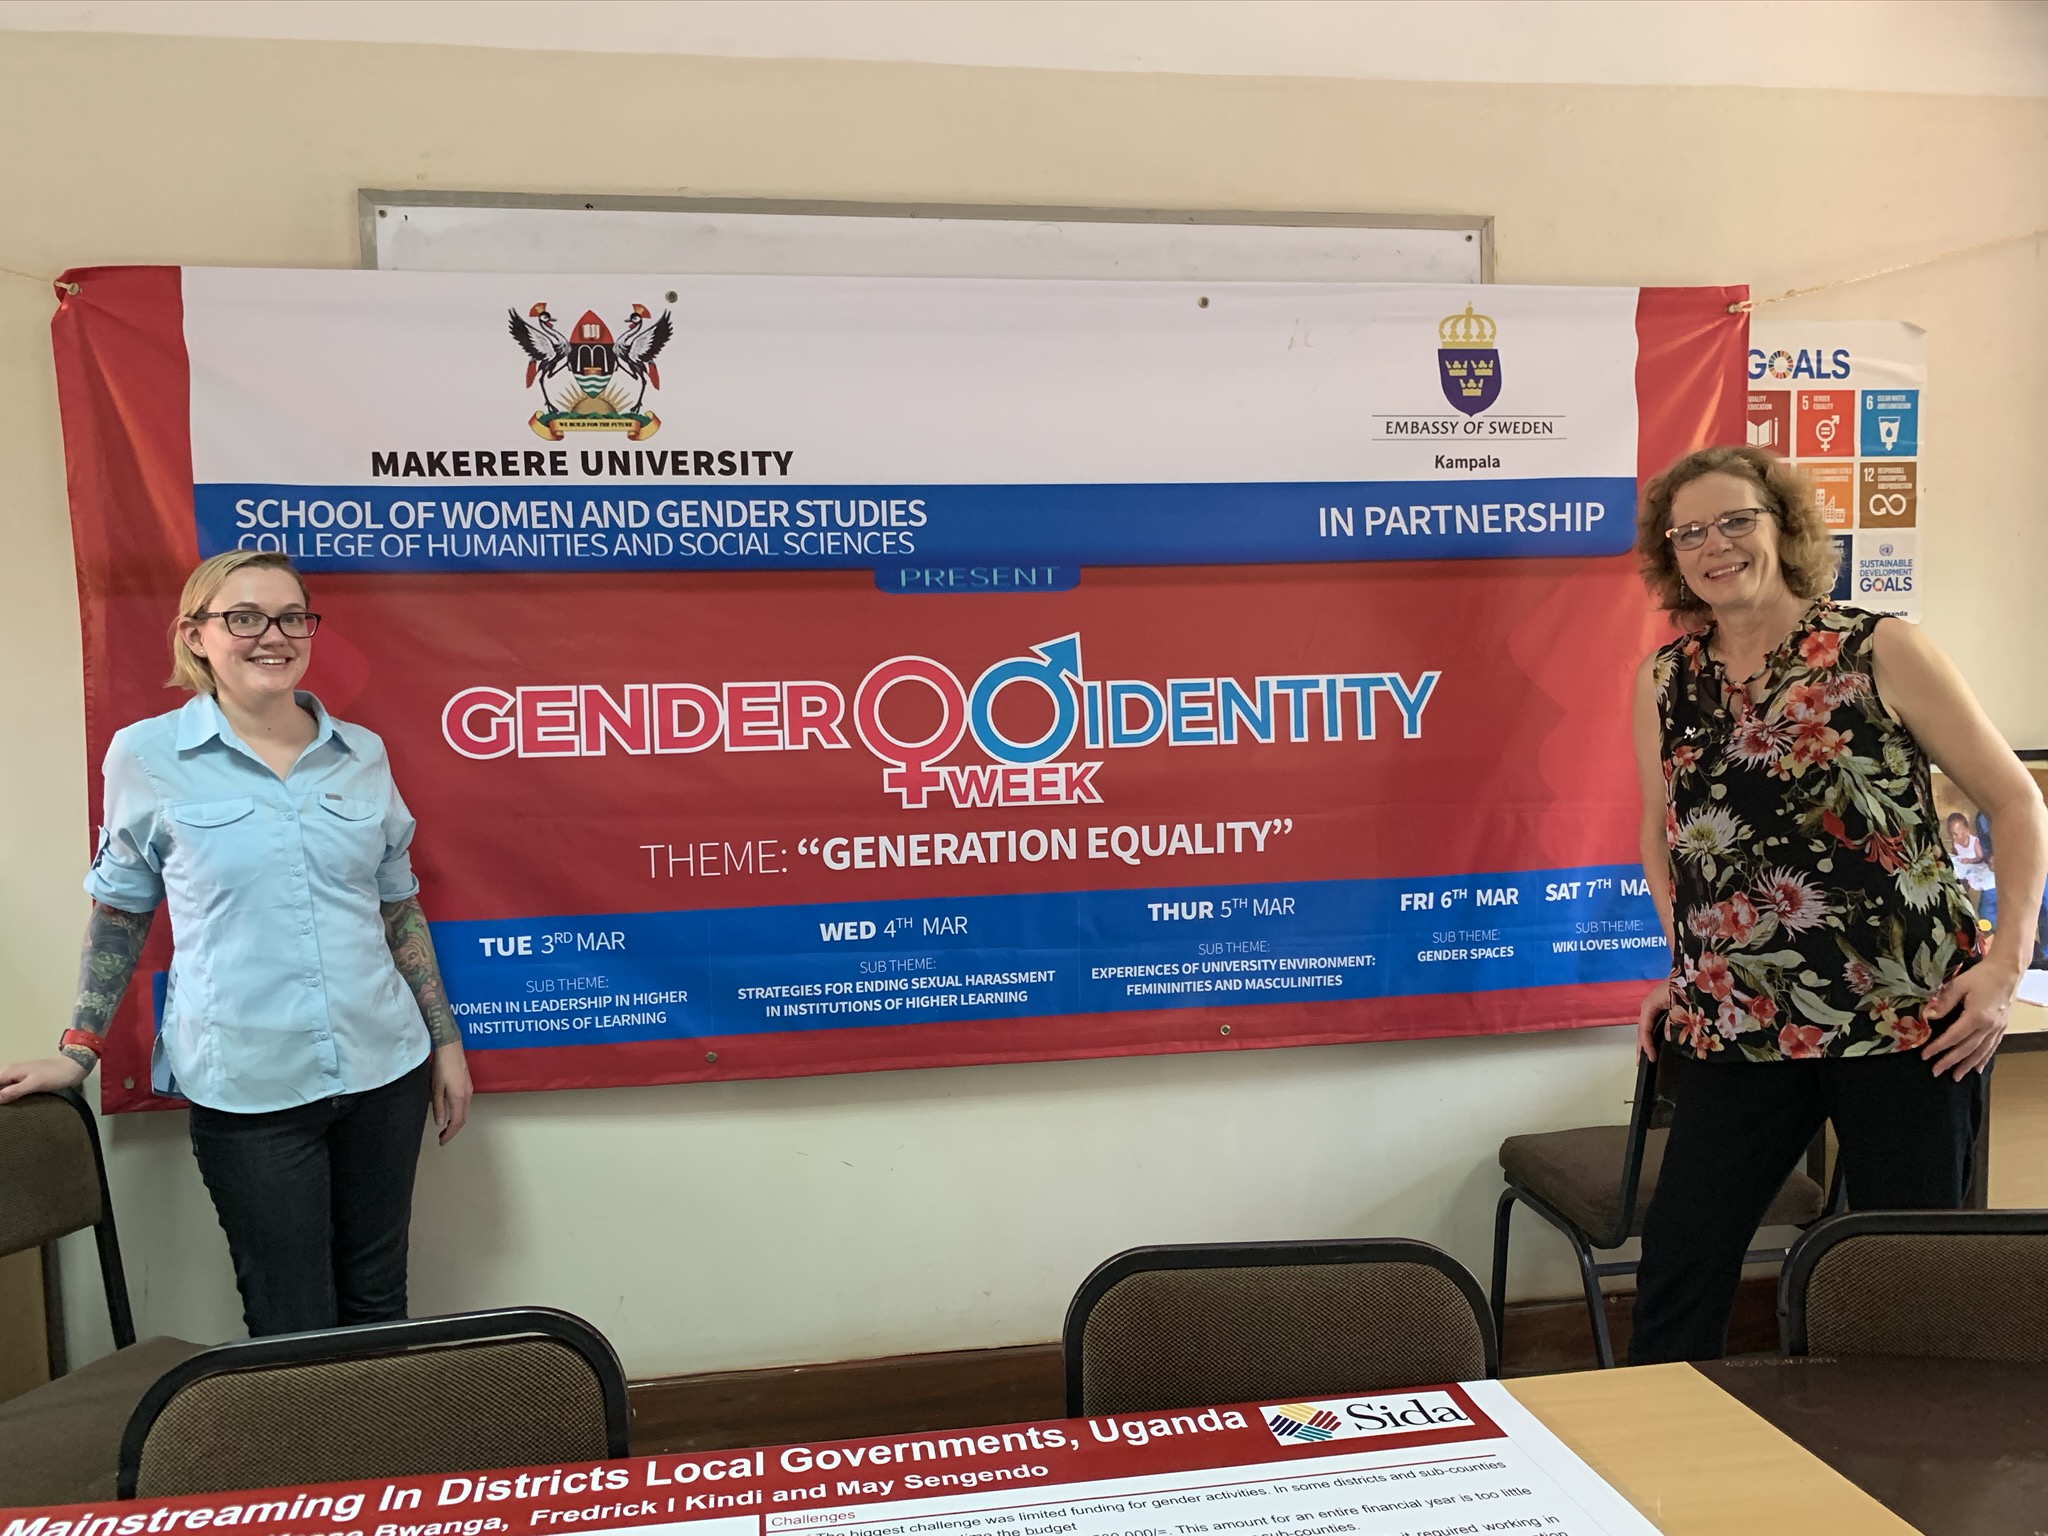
column 1905, row 1140
column 316, row 1202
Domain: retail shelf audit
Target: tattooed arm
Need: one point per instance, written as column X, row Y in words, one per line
column 412, row 950
column 113, row 945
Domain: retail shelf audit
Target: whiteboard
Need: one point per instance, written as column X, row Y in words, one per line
column 501, row 232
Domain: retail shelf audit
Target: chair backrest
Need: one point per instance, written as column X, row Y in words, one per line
column 50, row 1183
column 1660, row 1081
column 1968, row 1285
column 1187, row 1325
column 507, row 1388
column 53, row 1182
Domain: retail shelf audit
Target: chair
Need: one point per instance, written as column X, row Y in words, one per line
column 1593, row 1183
column 59, row 1443
column 507, row 1388
column 1964, row 1285
column 1188, row 1325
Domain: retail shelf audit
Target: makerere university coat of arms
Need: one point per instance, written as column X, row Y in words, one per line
column 586, row 378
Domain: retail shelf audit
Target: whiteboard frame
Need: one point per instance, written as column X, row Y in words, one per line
column 371, row 204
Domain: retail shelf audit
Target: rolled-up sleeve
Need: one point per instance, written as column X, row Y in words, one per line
column 395, row 879
column 127, row 866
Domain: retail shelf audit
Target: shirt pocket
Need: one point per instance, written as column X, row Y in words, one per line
column 221, row 842
column 348, row 838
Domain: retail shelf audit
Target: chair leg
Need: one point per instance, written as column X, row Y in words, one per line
column 1498, row 1293
column 1596, row 1305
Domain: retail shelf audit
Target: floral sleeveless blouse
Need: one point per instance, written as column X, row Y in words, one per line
column 1816, row 909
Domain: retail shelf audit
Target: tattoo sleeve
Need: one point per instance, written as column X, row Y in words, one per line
column 412, row 947
column 113, row 945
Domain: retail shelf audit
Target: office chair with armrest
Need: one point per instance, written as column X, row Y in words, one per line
column 59, row 1443
column 1963, row 1285
column 1593, row 1183
column 513, row 1387
column 1186, row 1325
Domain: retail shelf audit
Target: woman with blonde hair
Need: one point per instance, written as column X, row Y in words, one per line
column 305, row 1017
column 1825, row 960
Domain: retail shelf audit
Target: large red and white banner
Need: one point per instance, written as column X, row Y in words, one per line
column 805, row 675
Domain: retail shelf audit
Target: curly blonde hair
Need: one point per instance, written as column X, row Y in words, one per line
column 188, row 668
column 1806, row 554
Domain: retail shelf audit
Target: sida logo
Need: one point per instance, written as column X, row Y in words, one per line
column 1468, row 361
column 587, row 376
column 1302, row 1422
column 1806, row 363
column 1360, row 1418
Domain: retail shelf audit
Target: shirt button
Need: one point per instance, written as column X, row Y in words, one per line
column 305, row 927
column 297, row 870
column 291, row 815
column 312, row 981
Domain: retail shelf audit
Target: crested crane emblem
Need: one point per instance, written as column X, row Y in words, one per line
column 590, row 380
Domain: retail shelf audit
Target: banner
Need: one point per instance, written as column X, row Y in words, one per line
column 1462, row 1458
column 1843, row 399
column 798, row 675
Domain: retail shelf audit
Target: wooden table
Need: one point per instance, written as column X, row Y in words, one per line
column 1956, row 1447
column 1694, row 1460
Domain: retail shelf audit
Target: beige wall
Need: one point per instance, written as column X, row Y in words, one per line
column 743, row 1224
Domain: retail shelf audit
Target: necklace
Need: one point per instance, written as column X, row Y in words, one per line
column 1798, row 628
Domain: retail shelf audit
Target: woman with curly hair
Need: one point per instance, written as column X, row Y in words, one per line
column 1826, row 964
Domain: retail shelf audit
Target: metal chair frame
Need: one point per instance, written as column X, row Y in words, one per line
column 371, row 1341
column 113, row 1276
column 1112, row 1271
column 1818, row 1239
column 1641, row 1121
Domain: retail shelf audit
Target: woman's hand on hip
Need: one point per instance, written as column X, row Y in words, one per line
column 451, row 1089
column 1646, row 1019
column 47, row 1074
column 1980, row 999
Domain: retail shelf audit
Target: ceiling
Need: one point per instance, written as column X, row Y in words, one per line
column 1950, row 47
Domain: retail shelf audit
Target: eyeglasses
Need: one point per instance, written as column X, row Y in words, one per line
column 1733, row 525
column 253, row 624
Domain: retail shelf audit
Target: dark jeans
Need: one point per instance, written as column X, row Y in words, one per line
column 1904, row 1136
column 316, row 1202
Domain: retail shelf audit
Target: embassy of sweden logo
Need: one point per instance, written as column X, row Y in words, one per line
column 1301, row 1423
column 1468, row 361
column 586, row 377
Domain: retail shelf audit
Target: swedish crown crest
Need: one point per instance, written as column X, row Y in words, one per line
column 1466, row 330
column 1468, row 361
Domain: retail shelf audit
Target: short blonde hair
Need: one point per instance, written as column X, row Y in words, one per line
column 195, row 672
column 1806, row 554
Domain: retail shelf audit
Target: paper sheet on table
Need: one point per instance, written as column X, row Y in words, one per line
column 1434, row 1461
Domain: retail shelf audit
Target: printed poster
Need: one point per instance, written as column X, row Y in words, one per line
column 800, row 675
column 1429, row 1461
column 1842, row 398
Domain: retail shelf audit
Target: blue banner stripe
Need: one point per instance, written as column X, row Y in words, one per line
column 678, row 975
column 687, row 525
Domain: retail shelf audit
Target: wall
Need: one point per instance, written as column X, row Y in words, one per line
column 754, row 1223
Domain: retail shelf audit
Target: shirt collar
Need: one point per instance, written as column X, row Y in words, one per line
column 201, row 721
column 1702, row 642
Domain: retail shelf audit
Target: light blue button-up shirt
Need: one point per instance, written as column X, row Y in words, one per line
column 282, row 988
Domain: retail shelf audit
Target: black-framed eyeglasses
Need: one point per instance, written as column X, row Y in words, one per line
column 1733, row 525
column 253, row 624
